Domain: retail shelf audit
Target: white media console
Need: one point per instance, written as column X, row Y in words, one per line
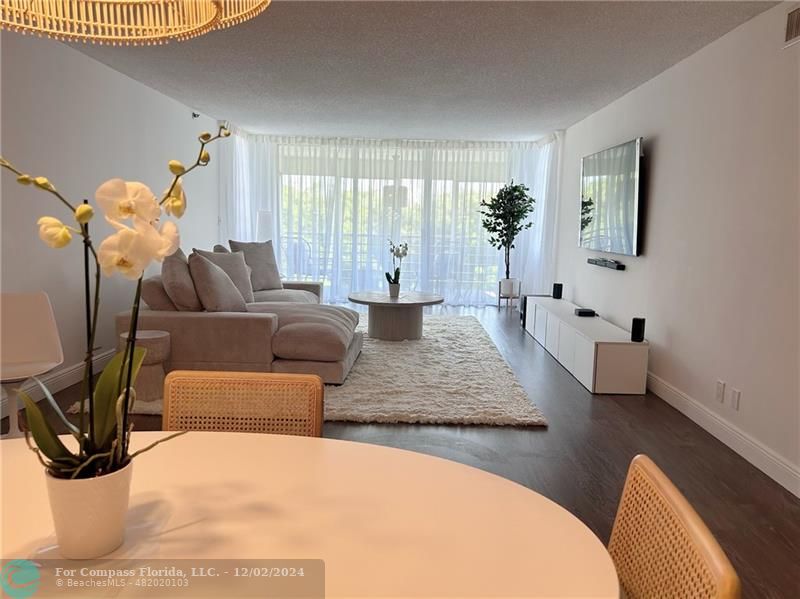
column 597, row 353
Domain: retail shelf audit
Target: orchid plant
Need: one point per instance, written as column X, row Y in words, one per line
column 398, row 252
column 141, row 237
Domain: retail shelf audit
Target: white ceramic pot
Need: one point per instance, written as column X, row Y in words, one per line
column 508, row 287
column 394, row 289
column 89, row 513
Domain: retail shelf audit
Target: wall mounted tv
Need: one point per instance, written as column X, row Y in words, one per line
column 610, row 199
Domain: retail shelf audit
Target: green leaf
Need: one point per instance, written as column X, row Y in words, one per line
column 106, row 393
column 70, row 427
column 46, row 438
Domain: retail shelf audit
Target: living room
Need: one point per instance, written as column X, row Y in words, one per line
column 308, row 151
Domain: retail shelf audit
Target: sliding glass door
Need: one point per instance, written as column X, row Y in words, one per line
column 334, row 204
column 340, row 204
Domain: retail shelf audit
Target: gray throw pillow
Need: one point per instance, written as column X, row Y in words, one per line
column 221, row 248
column 215, row 289
column 155, row 296
column 234, row 266
column 260, row 256
column 178, row 283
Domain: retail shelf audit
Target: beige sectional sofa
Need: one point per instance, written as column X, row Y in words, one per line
column 283, row 330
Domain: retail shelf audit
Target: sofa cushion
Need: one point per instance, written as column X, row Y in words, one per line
column 298, row 296
column 221, row 249
column 234, row 266
column 332, row 373
column 260, row 256
column 178, row 283
column 216, row 290
column 310, row 332
column 155, row 296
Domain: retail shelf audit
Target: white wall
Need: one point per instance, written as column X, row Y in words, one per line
column 718, row 281
column 79, row 123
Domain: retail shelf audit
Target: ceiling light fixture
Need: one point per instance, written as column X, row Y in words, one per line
column 125, row 22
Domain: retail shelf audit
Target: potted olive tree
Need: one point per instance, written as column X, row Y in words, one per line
column 504, row 217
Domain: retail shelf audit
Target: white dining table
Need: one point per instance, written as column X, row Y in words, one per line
column 387, row 522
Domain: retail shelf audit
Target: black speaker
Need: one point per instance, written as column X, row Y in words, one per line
column 637, row 330
column 558, row 290
column 523, row 310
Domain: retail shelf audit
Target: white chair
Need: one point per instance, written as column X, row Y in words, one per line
column 29, row 345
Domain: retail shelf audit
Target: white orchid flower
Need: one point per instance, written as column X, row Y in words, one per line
column 400, row 251
column 121, row 200
column 130, row 251
column 53, row 232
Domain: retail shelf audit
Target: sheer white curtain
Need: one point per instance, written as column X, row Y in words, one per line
column 533, row 258
column 337, row 202
column 249, row 183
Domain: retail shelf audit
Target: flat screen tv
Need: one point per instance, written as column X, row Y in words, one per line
column 610, row 199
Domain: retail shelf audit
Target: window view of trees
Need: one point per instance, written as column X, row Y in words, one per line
column 339, row 206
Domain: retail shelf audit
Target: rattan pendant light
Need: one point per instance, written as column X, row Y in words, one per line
column 122, row 22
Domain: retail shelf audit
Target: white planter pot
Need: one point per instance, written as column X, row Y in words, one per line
column 394, row 289
column 509, row 287
column 89, row 513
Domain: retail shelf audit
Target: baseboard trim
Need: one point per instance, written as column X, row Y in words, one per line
column 58, row 380
column 770, row 463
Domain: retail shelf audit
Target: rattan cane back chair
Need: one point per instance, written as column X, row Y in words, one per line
column 252, row 402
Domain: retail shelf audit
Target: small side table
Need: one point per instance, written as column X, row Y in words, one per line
column 150, row 382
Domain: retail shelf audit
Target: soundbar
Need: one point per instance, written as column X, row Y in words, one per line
column 605, row 262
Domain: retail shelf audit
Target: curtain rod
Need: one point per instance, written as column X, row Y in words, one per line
column 318, row 140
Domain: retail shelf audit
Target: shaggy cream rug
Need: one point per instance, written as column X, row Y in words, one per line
column 453, row 375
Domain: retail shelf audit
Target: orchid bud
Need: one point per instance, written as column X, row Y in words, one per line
column 175, row 206
column 175, row 203
column 43, row 183
column 24, row 180
column 205, row 157
column 176, row 168
column 84, row 213
column 204, row 136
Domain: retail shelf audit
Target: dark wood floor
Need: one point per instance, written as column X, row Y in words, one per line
column 580, row 460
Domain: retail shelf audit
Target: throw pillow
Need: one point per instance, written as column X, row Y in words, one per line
column 178, row 283
column 261, row 258
column 215, row 289
column 221, row 248
column 234, row 266
column 155, row 296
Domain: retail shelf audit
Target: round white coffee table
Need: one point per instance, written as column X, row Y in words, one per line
column 395, row 318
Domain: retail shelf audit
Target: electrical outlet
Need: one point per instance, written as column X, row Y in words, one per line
column 736, row 397
column 721, row 391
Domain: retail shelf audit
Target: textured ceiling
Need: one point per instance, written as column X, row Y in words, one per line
column 427, row 70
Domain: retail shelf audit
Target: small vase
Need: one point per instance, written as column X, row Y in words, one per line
column 394, row 289
column 89, row 513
